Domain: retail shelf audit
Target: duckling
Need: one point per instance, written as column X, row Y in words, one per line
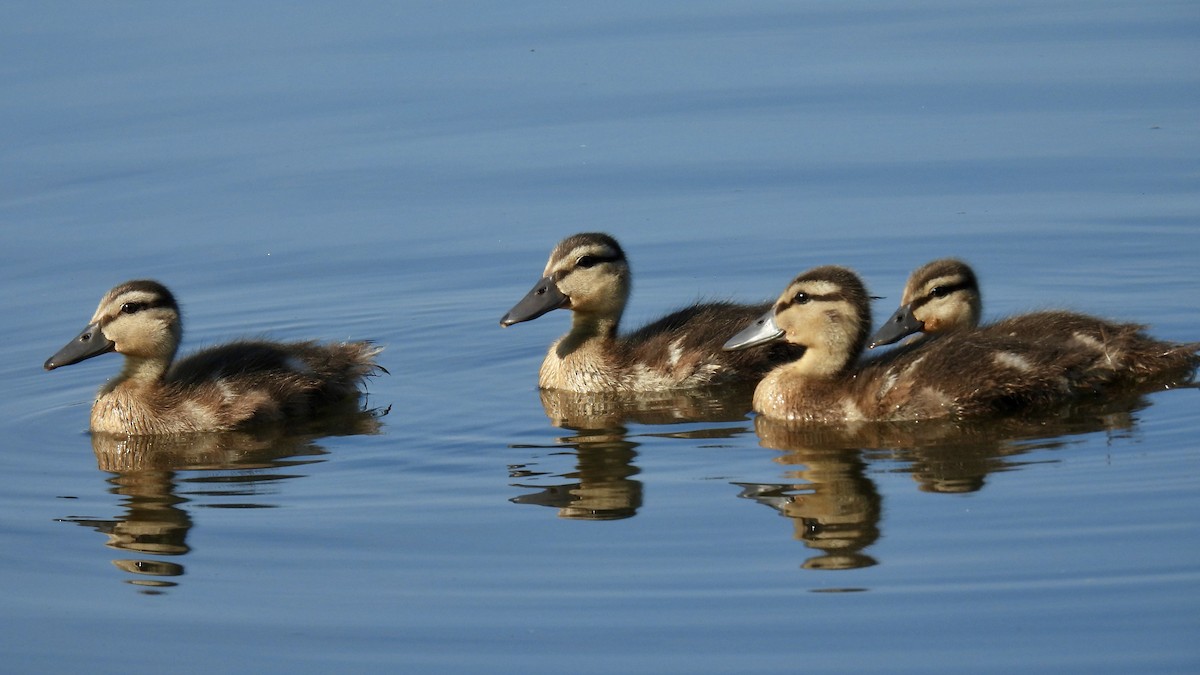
column 588, row 274
column 943, row 296
column 827, row 310
column 224, row 387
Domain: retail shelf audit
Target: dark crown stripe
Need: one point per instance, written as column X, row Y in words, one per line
column 587, row 239
column 159, row 296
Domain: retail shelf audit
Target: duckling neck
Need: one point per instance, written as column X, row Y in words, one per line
column 793, row 392
column 138, row 372
column 582, row 360
column 585, row 329
column 130, row 402
column 818, row 363
column 801, row 389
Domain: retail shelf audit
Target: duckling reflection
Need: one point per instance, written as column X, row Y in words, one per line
column 955, row 456
column 153, row 525
column 836, row 510
column 576, row 410
column 148, row 474
column 603, row 487
column 604, row 454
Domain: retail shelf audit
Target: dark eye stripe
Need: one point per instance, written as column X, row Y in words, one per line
column 946, row 289
column 593, row 260
column 805, row 298
column 137, row 306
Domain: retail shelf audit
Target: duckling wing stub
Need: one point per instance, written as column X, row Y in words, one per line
column 542, row 298
column 898, row 326
column 90, row 342
column 763, row 330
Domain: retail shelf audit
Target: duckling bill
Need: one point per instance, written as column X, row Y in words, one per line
column 589, row 275
column 760, row 332
column 91, row 342
column 221, row 388
column 542, row 299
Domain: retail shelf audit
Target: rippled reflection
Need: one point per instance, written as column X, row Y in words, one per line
column 600, row 485
column 827, row 491
column 836, row 507
column 607, row 411
column 955, row 456
column 156, row 477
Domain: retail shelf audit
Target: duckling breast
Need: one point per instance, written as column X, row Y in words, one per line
column 148, row 410
column 586, row 368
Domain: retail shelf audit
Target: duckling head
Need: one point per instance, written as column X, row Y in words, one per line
column 826, row 310
column 587, row 273
column 940, row 296
column 139, row 319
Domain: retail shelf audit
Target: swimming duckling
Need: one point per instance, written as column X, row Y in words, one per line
column 216, row 389
column 827, row 310
column 943, row 296
column 588, row 274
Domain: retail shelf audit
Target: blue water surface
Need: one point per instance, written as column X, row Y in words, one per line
column 399, row 172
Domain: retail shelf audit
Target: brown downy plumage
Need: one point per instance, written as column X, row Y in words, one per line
column 959, row 374
column 228, row 386
column 943, row 296
column 589, row 275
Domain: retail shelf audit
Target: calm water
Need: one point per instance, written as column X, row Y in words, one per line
column 400, row 172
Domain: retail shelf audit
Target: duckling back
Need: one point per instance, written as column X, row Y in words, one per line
column 239, row 385
column 1005, row 376
column 292, row 380
column 1115, row 353
column 684, row 349
column 931, row 379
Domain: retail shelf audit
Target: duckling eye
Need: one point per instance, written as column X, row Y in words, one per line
column 801, row 298
column 132, row 307
column 939, row 291
column 587, row 261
